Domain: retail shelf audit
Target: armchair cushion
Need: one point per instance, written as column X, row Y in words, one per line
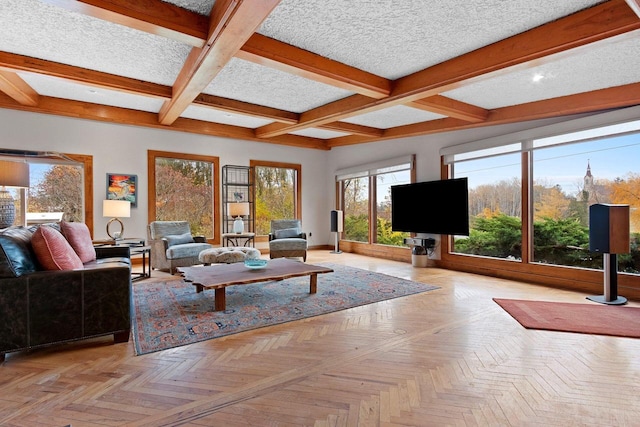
column 79, row 237
column 53, row 251
column 178, row 239
column 286, row 233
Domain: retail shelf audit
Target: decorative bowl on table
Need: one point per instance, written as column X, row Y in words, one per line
column 255, row 263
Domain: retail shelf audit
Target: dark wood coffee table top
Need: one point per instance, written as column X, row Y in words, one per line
column 219, row 276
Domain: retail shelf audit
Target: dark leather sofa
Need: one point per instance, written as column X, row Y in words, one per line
column 44, row 307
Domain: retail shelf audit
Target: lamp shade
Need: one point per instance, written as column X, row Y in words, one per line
column 14, row 174
column 116, row 208
column 238, row 209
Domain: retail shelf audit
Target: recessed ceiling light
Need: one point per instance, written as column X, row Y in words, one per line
column 537, row 77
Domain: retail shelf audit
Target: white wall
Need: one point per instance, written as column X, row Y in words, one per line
column 123, row 149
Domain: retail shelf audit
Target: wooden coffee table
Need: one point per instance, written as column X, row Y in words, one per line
column 219, row 276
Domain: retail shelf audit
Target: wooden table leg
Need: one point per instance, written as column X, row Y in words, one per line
column 221, row 297
column 313, row 283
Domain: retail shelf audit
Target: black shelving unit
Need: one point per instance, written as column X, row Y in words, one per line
column 238, row 186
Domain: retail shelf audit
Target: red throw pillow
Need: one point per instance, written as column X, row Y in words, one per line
column 79, row 237
column 53, row 251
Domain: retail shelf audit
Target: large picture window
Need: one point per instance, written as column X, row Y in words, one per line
column 529, row 200
column 60, row 187
column 366, row 193
column 278, row 189
column 183, row 187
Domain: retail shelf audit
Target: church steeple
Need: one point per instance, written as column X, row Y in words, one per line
column 588, row 178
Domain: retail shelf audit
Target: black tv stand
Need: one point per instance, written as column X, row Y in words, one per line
column 427, row 243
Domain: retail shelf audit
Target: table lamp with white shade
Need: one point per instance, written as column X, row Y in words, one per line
column 12, row 174
column 116, row 209
column 238, row 210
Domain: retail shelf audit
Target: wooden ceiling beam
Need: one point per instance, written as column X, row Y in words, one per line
column 275, row 54
column 14, row 62
column 245, row 108
column 232, row 22
column 587, row 102
column 151, row 16
column 355, row 129
column 602, row 21
column 14, row 86
column 450, row 107
column 104, row 113
column 635, row 6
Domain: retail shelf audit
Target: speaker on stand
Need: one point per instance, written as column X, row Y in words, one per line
column 609, row 235
column 336, row 227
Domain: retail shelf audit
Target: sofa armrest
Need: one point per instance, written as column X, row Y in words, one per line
column 113, row 252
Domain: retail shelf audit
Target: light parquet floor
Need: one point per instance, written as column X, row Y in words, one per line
column 449, row 357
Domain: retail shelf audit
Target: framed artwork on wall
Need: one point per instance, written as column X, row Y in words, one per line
column 121, row 186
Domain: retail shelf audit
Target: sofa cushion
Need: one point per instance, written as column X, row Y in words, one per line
column 53, row 251
column 79, row 237
column 16, row 257
column 287, row 233
column 179, row 239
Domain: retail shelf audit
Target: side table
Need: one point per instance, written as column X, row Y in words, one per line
column 136, row 247
column 234, row 239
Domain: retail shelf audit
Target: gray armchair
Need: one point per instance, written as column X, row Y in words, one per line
column 172, row 245
column 287, row 239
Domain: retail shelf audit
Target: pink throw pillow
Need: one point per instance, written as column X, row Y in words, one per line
column 53, row 251
column 79, row 237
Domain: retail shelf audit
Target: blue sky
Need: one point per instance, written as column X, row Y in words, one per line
column 565, row 165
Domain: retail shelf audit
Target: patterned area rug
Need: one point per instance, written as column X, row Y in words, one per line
column 171, row 314
column 593, row 318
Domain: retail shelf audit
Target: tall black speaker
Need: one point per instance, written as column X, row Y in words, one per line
column 336, row 227
column 609, row 228
column 336, row 221
column 609, row 235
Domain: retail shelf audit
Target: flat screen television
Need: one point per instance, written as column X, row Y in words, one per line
column 436, row 207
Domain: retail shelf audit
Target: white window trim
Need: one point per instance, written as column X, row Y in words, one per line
column 526, row 136
column 395, row 164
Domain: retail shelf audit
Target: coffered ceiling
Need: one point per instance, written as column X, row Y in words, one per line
column 318, row 73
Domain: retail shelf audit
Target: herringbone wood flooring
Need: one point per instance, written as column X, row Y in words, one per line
column 445, row 357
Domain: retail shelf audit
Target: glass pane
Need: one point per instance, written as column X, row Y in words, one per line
column 356, row 209
column 494, row 207
column 383, row 211
column 56, row 188
column 275, row 196
column 184, row 191
column 567, row 180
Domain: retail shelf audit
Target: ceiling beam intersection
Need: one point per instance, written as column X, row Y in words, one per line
column 232, row 22
column 14, row 86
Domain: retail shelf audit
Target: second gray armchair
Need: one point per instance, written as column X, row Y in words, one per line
column 287, row 240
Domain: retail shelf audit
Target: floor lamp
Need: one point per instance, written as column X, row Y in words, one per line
column 12, row 174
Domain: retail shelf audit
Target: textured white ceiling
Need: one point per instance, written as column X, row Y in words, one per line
column 217, row 116
column 40, row 30
column 246, row 81
column 60, row 88
column 392, row 38
column 604, row 64
column 392, row 117
column 389, row 38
